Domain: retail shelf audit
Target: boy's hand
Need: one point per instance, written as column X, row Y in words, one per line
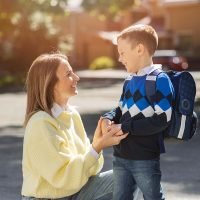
column 116, row 129
column 112, row 137
column 105, row 125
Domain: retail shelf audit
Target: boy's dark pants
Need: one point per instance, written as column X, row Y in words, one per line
column 130, row 174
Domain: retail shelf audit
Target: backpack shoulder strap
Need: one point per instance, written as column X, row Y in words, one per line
column 150, row 85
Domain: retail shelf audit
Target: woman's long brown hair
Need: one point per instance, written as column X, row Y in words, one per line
column 40, row 82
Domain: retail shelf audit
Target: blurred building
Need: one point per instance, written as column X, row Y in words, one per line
column 176, row 22
column 87, row 42
column 182, row 20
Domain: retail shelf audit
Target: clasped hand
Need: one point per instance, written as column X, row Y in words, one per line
column 107, row 134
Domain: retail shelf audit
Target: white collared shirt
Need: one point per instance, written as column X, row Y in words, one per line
column 57, row 110
column 147, row 70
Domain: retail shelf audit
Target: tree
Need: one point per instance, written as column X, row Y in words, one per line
column 27, row 30
column 107, row 8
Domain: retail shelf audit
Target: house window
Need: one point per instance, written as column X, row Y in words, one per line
column 185, row 42
column 165, row 43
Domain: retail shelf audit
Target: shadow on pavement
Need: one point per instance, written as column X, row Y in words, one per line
column 12, row 89
column 180, row 164
column 10, row 168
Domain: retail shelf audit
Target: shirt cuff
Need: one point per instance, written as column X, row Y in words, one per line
column 94, row 153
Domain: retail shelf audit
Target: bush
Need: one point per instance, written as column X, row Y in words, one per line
column 11, row 80
column 102, row 62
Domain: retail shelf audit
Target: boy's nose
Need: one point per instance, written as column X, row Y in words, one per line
column 76, row 77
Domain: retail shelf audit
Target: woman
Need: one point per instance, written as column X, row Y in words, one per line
column 58, row 160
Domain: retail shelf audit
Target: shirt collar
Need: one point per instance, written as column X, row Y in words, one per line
column 147, row 70
column 56, row 109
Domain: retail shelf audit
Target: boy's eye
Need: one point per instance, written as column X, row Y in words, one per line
column 69, row 74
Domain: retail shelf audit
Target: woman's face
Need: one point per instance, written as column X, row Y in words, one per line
column 66, row 85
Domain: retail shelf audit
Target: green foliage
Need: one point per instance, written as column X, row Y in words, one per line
column 27, row 30
column 102, row 62
column 108, row 8
column 11, row 80
column 24, row 6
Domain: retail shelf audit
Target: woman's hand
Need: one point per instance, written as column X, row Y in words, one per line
column 112, row 137
column 105, row 125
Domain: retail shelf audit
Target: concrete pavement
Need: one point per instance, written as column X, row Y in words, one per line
column 181, row 163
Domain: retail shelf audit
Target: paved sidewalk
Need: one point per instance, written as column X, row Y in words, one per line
column 103, row 74
column 181, row 163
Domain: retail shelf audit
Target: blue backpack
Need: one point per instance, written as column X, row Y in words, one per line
column 183, row 122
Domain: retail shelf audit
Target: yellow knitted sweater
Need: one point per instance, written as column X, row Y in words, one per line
column 57, row 161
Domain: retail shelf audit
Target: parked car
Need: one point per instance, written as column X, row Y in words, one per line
column 170, row 60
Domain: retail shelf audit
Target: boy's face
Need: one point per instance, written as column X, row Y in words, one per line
column 128, row 54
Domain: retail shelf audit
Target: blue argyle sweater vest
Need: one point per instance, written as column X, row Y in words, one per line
column 143, row 120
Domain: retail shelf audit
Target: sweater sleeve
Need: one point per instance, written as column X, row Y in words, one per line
column 116, row 113
column 53, row 159
column 162, row 111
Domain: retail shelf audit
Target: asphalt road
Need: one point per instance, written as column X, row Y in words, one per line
column 180, row 165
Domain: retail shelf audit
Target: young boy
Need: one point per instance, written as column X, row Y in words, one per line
column 136, row 159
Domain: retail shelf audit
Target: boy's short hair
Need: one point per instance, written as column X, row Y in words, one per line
column 143, row 34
